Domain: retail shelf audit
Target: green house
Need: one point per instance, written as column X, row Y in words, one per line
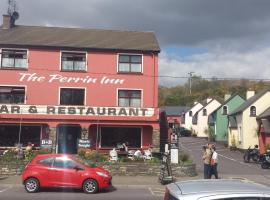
column 218, row 120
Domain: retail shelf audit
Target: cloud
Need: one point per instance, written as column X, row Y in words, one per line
column 231, row 65
column 234, row 34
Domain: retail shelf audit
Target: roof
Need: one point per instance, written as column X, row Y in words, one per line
column 201, row 188
column 174, row 110
column 229, row 99
column 249, row 102
column 265, row 114
column 41, row 36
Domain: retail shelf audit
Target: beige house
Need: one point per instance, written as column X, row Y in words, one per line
column 243, row 126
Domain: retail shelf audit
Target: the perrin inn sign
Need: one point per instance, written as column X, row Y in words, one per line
column 76, row 110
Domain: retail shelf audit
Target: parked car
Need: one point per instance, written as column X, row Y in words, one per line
column 184, row 132
column 60, row 170
column 223, row 189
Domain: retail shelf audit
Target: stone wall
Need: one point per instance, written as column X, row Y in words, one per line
column 125, row 169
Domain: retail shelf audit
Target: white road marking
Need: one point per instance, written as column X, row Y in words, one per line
column 3, row 190
column 151, row 191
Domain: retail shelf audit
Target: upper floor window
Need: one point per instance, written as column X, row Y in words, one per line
column 224, row 110
column 12, row 95
column 129, row 98
column 14, row 58
column 130, row 63
column 190, row 113
column 72, row 96
column 204, row 112
column 71, row 61
column 253, row 111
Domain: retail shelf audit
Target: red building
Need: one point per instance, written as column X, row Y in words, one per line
column 264, row 130
column 60, row 85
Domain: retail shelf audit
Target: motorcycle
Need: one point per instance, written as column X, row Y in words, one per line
column 265, row 164
column 252, row 154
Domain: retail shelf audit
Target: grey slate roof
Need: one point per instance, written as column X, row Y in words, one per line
column 38, row 36
column 249, row 102
column 174, row 110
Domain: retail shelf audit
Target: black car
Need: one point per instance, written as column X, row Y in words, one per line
column 183, row 132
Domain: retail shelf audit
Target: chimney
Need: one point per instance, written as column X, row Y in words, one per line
column 7, row 24
column 208, row 100
column 249, row 94
column 226, row 97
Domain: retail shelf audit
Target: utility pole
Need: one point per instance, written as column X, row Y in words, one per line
column 190, row 76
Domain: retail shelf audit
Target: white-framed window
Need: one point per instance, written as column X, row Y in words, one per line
column 14, row 59
column 12, row 95
column 225, row 110
column 190, row 113
column 130, row 63
column 253, row 111
column 73, row 61
column 204, row 112
column 72, row 96
column 129, row 98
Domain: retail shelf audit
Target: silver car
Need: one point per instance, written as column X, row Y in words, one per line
column 217, row 189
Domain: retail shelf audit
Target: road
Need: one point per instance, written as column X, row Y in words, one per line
column 230, row 165
column 16, row 192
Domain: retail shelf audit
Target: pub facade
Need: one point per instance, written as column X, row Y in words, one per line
column 59, row 86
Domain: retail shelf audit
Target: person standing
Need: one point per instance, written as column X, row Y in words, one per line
column 207, row 154
column 214, row 163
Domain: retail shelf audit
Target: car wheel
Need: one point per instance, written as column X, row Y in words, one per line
column 264, row 165
column 90, row 186
column 31, row 185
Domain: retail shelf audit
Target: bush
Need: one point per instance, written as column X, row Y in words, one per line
column 92, row 155
column 10, row 155
column 184, row 157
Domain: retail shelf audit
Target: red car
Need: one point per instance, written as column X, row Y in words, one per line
column 60, row 170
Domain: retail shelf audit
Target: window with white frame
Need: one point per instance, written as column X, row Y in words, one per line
column 253, row 111
column 129, row 98
column 12, row 95
column 204, row 112
column 72, row 61
column 72, row 96
column 13, row 58
column 225, row 110
column 190, row 113
column 130, row 63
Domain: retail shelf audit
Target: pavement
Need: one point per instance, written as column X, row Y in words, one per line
column 118, row 181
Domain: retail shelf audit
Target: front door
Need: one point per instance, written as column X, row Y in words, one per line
column 67, row 139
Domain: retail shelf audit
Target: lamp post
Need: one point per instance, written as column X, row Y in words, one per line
column 190, row 76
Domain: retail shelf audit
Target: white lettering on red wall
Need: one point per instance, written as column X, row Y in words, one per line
column 76, row 110
column 53, row 78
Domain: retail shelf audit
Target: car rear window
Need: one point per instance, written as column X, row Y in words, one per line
column 46, row 161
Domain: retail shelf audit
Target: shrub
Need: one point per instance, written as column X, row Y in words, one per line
column 10, row 155
column 184, row 157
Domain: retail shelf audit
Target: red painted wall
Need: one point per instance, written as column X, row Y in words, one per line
column 99, row 64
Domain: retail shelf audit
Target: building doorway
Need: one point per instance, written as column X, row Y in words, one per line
column 67, row 136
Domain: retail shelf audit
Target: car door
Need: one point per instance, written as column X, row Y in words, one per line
column 64, row 174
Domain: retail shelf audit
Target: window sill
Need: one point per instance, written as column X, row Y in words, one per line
column 131, row 73
column 77, row 71
column 13, row 68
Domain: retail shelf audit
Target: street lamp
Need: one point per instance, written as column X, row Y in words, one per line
column 190, row 76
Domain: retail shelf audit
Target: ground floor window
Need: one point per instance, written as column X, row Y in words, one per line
column 111, row 136
column 10, row 135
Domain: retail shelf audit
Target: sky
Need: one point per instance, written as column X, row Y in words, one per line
column 211, row 38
